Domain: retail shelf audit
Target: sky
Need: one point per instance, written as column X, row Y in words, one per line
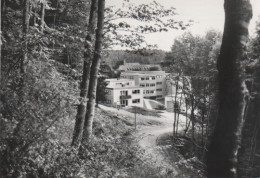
column 206, row 14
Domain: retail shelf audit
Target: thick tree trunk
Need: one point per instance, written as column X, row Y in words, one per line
column 94, row 73
column 222, row 156
column 88, row 55
column 26, row 18
column 0, row 44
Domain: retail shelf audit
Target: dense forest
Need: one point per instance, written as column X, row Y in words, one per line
column 55, row 55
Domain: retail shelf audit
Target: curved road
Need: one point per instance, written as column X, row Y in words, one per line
column 147, row 135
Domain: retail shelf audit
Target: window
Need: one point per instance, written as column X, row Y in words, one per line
column 136, row 100
column 147, row 85
column 159, row 76
column 158, row 89
column 108, row 101
column 142, row 78
column 151, row 91
column 153, row 77
column 124, row 102
column 147, row 92
column 144, row 91
column 147, row 78
column 136, row 91
column 152, row 84
column 108, row 92
column 159, row 83
column 123, row 93
column 142, row 85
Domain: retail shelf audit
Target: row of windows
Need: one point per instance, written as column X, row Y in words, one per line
column 158, row 89
column 147, row 85
column 144, row 78
column 148, row 78
column 149, row 91
column 159, row 83
column 123, row 93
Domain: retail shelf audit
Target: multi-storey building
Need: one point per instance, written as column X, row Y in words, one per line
column 123, row 92
column 152, row 82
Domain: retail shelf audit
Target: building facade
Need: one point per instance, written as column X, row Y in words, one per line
column 153, row 83
column 123, row 92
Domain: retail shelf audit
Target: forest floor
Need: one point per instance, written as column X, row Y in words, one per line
column 150, row 129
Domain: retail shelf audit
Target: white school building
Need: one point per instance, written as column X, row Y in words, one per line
column 135, row 86
column 123, row 92
column 152, row 82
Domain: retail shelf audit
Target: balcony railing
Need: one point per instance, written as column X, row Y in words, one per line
column 124, row 97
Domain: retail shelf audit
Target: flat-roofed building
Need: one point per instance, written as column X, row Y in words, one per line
column 152, row 82
column 123, row 92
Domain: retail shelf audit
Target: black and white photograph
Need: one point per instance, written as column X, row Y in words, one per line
column 130, row 89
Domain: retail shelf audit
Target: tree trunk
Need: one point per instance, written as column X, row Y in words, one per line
column 26, row 18
column 88, row 55
column 178, row 116
column 175, row 108
column 192, row 118
column 42, row 16
column 0, row 44
column 222, row 156
column 186, row 113
column 249, row 154
column 94, row 73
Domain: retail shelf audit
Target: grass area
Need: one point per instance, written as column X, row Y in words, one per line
column 143, row 111
column 123, row 156
column 130, row 121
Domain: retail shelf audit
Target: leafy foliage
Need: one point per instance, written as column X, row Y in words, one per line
column 192, row 62
column 127, row 25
